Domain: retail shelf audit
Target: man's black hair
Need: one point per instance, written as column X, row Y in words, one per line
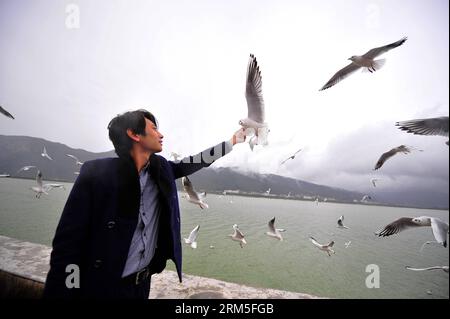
column 133, row 120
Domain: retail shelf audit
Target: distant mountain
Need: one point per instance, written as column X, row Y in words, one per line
column 220, row 179
column 19, row 151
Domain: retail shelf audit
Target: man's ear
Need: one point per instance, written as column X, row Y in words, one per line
column 132, row 135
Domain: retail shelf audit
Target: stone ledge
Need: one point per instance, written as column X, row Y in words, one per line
column 24, row 265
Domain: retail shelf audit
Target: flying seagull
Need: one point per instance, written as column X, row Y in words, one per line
column 439, row 228
column 192, row 239
column 45, row 154
column 175, row 156
column 444, row 268
column 238, row 236
column 43, row 188
column 366, row 198
column 347, row 244
column 6, row 113
column 387, row 155
column 430, row 126
column 77, row 161
column 366, row 60
column 373, row 181
column 290, row 157
column 191, row 195
column 326, row 247
column 274, row 232
column 255, row 105
column 340, row 223
column 25, row 168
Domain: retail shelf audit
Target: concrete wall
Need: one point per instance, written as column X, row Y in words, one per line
column 24, row 267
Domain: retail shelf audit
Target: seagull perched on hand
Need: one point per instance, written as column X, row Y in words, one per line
column 274, row 232
column 367, row 60
column 340, row 222
column 430, row 126
column 439, row 228
column 238, row 236
column 326, row 247
column 192, row 239
column 255, row 105
column 385, row 156
column 290, row 157
column 45, row 154
column 6, row 113
column 77, row 161
column 191, row 195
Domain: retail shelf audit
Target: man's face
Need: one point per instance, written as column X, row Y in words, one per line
column 152, row 141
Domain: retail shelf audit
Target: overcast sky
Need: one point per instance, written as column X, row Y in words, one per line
column 68, row 67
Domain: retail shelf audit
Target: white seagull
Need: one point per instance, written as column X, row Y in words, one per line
column 192, row 239
column 430, row 126
column 340, row 223
column 191, row 195
column 439, row 228
column 43, row 188
column 387, row 155
column 175, row 156
column 274, row 232
column 366, row 61
column 290, row 157
column 25, row 168
column 6, row 113
column 366, row 198
column 347, row 244
column 238, row 236
column 5, row 175
column 444, row 268
column 373, row 181
column 326, row 247
column 255, row 105
column 77, row 161
column 45, row 154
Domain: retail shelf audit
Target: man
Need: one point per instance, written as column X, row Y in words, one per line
column 121, row 221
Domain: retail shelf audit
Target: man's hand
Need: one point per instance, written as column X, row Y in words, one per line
column 238, row 136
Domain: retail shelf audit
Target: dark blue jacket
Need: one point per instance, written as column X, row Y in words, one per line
column 100, row 217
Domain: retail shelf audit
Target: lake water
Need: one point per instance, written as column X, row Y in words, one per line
column 293, row 264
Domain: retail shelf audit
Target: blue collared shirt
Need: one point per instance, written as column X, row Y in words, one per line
column 145, row 236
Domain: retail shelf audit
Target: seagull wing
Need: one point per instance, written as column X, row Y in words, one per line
column 238, row 234
column 253, row 91
column 73, row 156
column 340, row 221
column 189, row 189
column 396, row 226
column 194, row 233
column 385, row 156
column 315, row 242
column 39, row 178
column 430, row 126
column 373, row 53
column 340, row 75
column 422, row 269
column 6, row 113
column 272, row 225
column 440, row 231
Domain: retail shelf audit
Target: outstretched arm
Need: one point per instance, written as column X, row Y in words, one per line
column 191, row 164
